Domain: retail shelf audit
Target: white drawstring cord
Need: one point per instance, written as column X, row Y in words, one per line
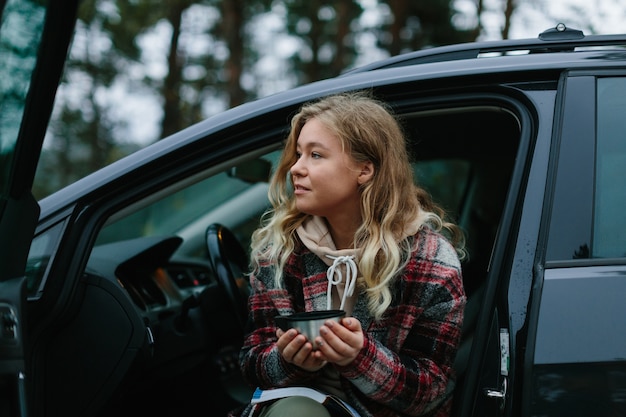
column 335, row 277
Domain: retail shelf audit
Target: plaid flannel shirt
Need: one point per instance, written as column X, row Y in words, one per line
column 405, row 366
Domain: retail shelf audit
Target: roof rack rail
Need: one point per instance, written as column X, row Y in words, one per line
column 557, row 39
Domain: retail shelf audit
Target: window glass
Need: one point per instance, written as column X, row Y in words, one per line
column 570, row 235
column 173, row 212
column 610, row 189
column 235, row 198
column 445, row 180
column 41, row 252
column 21, row 25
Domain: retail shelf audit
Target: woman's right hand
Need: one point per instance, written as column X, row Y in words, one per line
column 296, row 349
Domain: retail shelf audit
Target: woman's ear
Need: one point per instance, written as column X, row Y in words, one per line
column 367, row 172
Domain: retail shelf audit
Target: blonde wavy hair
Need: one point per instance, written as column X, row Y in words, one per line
column 390, row 202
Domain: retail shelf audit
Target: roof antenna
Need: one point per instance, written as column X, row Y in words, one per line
column 560, row 33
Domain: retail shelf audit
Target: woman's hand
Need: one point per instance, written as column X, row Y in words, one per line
column 295, row 349
column 340, row 343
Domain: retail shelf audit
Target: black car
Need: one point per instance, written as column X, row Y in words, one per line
column 124, row 293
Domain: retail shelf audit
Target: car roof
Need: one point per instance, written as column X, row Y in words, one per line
column 547, row 56
column 558, row 39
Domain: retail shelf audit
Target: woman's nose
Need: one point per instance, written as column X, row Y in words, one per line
column 297, row 169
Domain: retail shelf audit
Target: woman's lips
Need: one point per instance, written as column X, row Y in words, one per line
column 299, row 189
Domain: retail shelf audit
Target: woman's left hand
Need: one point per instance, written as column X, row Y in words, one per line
column 340, row 343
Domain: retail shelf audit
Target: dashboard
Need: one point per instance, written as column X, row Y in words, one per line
column 189, row 323
column 156, row 284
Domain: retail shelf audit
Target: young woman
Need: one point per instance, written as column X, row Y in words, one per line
column 350, row 230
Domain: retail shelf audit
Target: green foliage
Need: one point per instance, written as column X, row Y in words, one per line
column 23, row 22
column 419, row 24
column 327, row 32
column 208, row 62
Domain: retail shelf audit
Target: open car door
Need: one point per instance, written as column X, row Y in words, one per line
column 34, row 40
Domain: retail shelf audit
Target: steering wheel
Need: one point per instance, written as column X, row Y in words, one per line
column 229, row 262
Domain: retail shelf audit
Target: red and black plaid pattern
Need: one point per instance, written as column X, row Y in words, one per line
column 405, row 367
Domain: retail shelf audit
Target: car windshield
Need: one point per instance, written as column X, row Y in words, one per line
column 172, row 213
column 235, row 197
column 21, row 26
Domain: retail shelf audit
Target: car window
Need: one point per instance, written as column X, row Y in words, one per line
column 609, row 239
column 20, row 31
column 466, row 169
column 41, row 252
column 446, row 180
column 236, row 197
column 590, row 191
column 173, row 212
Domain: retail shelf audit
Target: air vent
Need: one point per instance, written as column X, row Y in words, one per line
column 150, row 292
column 133, row 293
column 189, row 276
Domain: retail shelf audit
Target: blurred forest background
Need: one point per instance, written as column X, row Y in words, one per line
column 140, row 70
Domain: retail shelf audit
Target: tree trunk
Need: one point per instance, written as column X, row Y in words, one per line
column 232, row 29
column 508, row 12
column 400, row 12
column 342, row 8
column 171, row 86
column 475, row 33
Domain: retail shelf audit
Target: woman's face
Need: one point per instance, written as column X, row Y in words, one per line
column 326, row 179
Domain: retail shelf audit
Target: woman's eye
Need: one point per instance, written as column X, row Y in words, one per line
column 315, row 155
